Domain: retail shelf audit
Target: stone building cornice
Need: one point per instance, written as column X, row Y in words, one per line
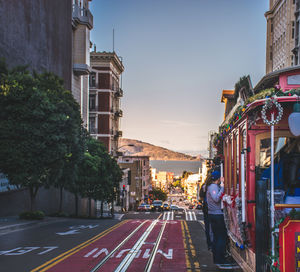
column 107, row 57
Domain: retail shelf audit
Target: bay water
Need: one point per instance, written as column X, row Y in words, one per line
column 177, row 167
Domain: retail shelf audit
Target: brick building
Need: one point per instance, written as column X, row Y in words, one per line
column 104, row 99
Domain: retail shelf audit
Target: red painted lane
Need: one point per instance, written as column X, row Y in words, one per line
column 172, row 256
column 114, row 262
column 139, row 263
column 88, row 257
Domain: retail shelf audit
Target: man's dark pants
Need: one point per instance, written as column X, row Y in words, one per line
column 219, row 237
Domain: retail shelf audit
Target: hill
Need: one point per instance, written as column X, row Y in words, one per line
column 154, row 152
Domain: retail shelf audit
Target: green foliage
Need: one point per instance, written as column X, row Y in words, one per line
column 39, row 128
column 242, row 83
column 43, row 142
column 32, row 215
column 225, row 129
column 177, row 183
column 159, row 194
column 99, row 173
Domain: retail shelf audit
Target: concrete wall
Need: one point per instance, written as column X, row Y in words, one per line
column 47, row 200
column 38, row 33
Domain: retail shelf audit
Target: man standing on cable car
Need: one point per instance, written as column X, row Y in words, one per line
column 215, row 189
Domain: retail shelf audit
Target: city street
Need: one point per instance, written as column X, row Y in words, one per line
column 141, row 241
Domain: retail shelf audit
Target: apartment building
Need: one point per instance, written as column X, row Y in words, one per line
column 104, row 99
column 134, row 184
column 146, row 175
column 82, row 23
column 282, row 41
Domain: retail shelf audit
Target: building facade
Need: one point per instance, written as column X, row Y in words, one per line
column 47, row 36
column 192, row 186
column 104, row 99
column 82, row 23
column 282, row 35
column 37, row 34
column 134, row 184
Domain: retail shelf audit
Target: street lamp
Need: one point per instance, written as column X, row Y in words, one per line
column 121, row 153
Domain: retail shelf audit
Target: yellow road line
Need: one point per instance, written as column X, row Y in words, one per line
column 187, row 261
column 72, row 251
column 191, row 247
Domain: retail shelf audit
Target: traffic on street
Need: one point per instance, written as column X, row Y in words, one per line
column 140, row 241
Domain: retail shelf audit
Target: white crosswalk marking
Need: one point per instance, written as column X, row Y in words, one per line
column 190, row 216
column 168, row 216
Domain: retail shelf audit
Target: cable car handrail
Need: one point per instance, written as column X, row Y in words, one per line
column 282, row 206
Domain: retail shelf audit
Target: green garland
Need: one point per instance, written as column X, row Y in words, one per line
column 224, row 130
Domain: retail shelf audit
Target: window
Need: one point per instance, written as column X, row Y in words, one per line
column 293, row 29
column 93, row 79
column 293, row 80
column 92, row 125
column 265, row 150
column 92, row 102
column 237, row 161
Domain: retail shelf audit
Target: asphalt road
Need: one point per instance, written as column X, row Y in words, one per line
column 81, row 244
column 26, row 249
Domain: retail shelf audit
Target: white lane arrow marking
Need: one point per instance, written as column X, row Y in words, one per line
column 70, row 232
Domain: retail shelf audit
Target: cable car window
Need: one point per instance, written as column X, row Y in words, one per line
column 237, row 160
column 265, row 150
column 286, row 163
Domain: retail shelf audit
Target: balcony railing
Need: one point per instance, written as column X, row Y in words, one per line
column 119, row 113
column 83, row 16
column 118, row 133
column 119, row 93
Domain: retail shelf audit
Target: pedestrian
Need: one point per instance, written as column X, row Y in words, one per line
column 215, row 189
column 207, row 226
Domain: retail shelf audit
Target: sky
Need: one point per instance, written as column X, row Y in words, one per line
column 178, row 56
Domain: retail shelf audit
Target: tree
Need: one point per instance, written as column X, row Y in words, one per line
column 177, row 183
column 35, row 117
column 99, row 174
column 159, row 194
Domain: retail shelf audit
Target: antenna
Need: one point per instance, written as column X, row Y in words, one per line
column 113, row 40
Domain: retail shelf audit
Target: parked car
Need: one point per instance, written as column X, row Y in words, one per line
column 143, row 207
column 166, row 207
column 157, row 205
